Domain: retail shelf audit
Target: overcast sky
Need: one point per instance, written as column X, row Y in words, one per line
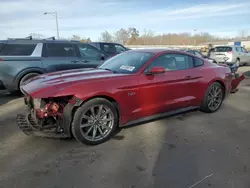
column 88, row 18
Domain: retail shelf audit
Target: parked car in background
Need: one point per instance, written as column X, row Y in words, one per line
column 199, row 54
column 22, row 59
column 110, row 48
column 129, row 88
column 235, row 54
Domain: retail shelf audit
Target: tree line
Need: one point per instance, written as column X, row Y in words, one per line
column 132, row 36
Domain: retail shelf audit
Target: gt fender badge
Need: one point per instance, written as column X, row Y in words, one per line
column 131, row 93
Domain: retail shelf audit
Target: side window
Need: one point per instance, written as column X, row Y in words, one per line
column 87, row 50
column 198, row 54
column 198, row 62
column 108, row 48
column 238, row 49
column 119, row 48
column 244, row 50
column 17, row 49
column 1, row 45
column 173, row 62
column 190, row 51
column 60, row 50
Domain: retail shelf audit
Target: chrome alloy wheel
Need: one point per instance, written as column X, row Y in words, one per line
column 215, row 97
column 96, row 122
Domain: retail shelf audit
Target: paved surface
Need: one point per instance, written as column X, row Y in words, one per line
column 175, row 152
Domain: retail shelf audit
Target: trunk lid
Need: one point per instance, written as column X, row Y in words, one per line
column 221, row 52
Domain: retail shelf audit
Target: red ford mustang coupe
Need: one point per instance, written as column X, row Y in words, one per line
column 129, row 88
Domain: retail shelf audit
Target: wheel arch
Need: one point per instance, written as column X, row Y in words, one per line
column 24, row 72
column 75, row 107
column 107, row 97
column 222, row 84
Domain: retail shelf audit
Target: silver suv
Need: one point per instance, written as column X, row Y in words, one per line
column 22, row 59
column 235, row 54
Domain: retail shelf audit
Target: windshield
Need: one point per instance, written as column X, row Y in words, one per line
column 126, row 62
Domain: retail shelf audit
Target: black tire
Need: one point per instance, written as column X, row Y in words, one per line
column 77, row 131
column 238, row 62
column 205, row 107
column 27, row 77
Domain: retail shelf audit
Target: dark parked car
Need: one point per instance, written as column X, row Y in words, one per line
column 109, row 48
column 199, row 54
column 22, row 59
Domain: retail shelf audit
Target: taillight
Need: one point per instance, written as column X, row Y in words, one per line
column 229, row 52
column 1, row 59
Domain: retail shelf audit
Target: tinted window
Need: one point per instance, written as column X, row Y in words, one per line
column 1, row 45
column 238, row 49
column 108, row 48
column 173, row 62
column 198, row 62
column 88, row 51
column 223, row 49
column 190, row 51
column 127, row 62
column 17, row 49
column 244, row 50
column 60, row 50
column 119, row 48
column 198, row 54
column 95, row 45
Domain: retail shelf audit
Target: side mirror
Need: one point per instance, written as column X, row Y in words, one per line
column 157, row 70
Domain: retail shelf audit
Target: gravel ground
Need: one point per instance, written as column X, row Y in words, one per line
column 212, row 150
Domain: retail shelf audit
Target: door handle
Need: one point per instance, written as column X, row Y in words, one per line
column 74, row 61
column 85, row 61
column 188, row 77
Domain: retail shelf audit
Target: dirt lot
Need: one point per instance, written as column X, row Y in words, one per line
column 175, row 152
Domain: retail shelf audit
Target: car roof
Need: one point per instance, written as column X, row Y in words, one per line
column 225, row 46
column 156, row 50
column 34, row 41
column 104, row 43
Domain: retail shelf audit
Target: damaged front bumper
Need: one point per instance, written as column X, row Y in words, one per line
column 30, row 125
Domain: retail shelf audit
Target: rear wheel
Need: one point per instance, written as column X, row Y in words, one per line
column 95, row 121
column 213, row 98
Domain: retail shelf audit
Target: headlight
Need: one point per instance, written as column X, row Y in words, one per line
column 37, row 103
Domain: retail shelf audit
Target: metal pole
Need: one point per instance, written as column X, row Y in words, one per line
column 57, row 28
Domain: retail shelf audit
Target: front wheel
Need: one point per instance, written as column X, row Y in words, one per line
column 27, row 77
column 213, row 98
column 95, row 121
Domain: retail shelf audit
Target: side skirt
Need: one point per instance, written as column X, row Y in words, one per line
column 161, row 115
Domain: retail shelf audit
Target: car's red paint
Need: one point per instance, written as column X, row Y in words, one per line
column 138, row 95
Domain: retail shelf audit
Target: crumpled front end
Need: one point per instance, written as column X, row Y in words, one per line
column 48, row 117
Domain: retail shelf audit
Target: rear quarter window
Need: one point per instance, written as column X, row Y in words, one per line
column 223, row 49
column 198, row 62
column 17, row 49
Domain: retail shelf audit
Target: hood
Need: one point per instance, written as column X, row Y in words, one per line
column 59, row 80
